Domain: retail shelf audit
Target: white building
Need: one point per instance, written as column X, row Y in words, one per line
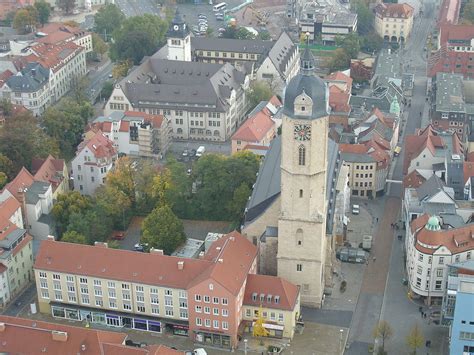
column 59, row 33
column 93, row 160
column 394, row 22
column 431, row 245
column 38, row 205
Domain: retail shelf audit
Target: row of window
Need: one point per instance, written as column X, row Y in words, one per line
column 248, row 314
column 207, row 299
column 362, row 175
column 215, row 311
column 232, row 55
column 215, row 323
column 457, row 258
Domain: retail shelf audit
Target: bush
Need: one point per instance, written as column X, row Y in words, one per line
column 342, row 288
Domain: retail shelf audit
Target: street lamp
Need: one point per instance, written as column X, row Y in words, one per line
column 245, row 346
column 341, row 332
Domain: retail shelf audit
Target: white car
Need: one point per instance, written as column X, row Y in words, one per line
column 200, row 351
column 355, row 209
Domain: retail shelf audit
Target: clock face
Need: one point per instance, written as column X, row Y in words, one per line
column 302, row 132
column 176, row 27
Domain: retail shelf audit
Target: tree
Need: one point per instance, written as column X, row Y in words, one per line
column 3, row 179
column 264, row 35
column 94, row 224
column 384, row 331
column 98, row 45
column 230, row 32
column 6, row 166
column 74, row 237
column 66, row 5
column 237, row 204
column 371, row 43
column 259, row 91
column 468, row 11
column 6, row 106
column 65, row 123
column 121, row 69
column 163, row 230
column 68, row 204
column 121, row 179
column 339, row 61
column 21, row 140
column 243, row 33
column 80, row 89
column 44, row 11
column 350, row 43
column 415, row 338
column 107, row 19
column 106, row 90
column 24, row 21
column 365, row 17
column 71, row 23
column 138, row 36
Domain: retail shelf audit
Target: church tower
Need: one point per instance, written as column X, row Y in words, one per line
column 179, row 39
column 302, row 222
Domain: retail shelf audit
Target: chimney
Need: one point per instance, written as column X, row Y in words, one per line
column 2, row 327
column 180, row 265
column 220, row 260
column 156, row 251
column 51, row 237
column 101, row 244
column 59, row 336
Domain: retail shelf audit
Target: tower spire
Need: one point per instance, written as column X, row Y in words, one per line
column 307, row 59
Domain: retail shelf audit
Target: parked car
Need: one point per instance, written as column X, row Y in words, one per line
column 192, row 152
column 185, row 153
column 202, row 16
column 140, row 247
column 200, row 151
column 355, row 209
column 118, row 235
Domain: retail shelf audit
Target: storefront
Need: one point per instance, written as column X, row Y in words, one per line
column 213, row 339
column 274, row 330
column 176, row 329
column 111, row 319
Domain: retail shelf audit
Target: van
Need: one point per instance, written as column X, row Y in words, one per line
column 355, row 209
column 200, row 151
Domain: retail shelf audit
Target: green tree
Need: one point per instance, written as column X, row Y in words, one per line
column 240, row 198
column 44, row 11
column 80, row 89
column 350, row 43
column 179, row 192
column 339, row 61
column 383, row 331
column 24, row 21
column 121, row 68
column 415, row 338
column 6, row 106
column 9, row 18
column 371, row 43
column 98, row 45
column 259, row 91
column 230, row 32
column 66, row 5
column 468, row 11
column 163, row 230
column 74, row 237
column 21, row 140
column 65, row 123
column 365, row 17
column 121, row 178
column 107, row 19
column 3, row 179
column 94, row 224
column 265, row 35
column 243, row 33
column 137, row 37
column 68, row 204
column 115, row 205
column 106, row 90
column 6, row 166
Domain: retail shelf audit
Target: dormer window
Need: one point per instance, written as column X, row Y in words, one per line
column 262, row 297
column 277, row 299
column 254, row 296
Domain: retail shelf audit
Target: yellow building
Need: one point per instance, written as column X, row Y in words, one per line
column 279, row 303
column 394, row 22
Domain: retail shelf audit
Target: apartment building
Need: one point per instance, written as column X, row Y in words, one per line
column 394, row 22
column 65, row 339
column 94, row 159
column 202, row 101
column 30, row 87
column 432, row 243
column 59, row 33
column 53, row 171
column 136, row 133
column 368, row 165
column 201, row 298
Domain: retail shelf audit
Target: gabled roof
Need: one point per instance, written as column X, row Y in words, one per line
column 394, row 10
column 48, row 170
column 281, row 52
column 22, row 181
column 8, row 208
column 255, row 128
column 31, row 78
column 272, row 286
column 455, row 33
column 53, row 56
column 99, row 145
column 413, row 179
column 430, row 188
column 4, row 76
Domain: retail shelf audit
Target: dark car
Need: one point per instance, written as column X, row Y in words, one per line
column 118, row 235
column 192, row 152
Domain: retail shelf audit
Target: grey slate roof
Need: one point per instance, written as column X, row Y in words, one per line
column 33, row 77
column 253, row 46
column 430, row 187
column 387, row 67
column 357, row 158
column 381, row 98
column 9, row 241
column 36, row 189
column 282, row 51
column 177, row 83
column 268, row 185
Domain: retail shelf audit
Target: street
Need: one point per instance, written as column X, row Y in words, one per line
column 97, row 77
column 21, row 302
column 138, row 7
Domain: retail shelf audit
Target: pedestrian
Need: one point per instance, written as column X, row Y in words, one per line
column 420, row 309
column 374, row 259
column 377, row 220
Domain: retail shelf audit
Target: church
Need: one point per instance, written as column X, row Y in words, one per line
column 291, row 212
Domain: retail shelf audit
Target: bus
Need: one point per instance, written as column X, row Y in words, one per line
column 219, row 7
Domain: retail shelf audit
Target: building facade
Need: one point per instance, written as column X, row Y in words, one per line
column 462, row 336
column 394, row 22
column 188, row 297
column 94, row 159
column 431, row 246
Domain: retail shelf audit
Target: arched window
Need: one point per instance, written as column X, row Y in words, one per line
column 301, row 155
column 179, row 131
column 299, row 236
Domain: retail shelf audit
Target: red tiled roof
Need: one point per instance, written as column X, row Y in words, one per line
column 457, row 240
column 155, row 120
column 9, row 207
column 48, row 170
column 340, row 76
column 4, row 76
column 3, row 268
column 449, row 12
column 257, row 147
column 39, row 336
column 21, row 181
column 456, row 32
column 255, row 128
column 124, row 126
column 394, row 10
column 99, row 145
column 274, row 286
column 372, row 148
column 52, row 56
column 414, row 179
column 235, row 253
